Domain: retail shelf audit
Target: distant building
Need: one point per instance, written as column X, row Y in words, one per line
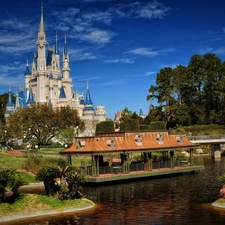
column 49, row 81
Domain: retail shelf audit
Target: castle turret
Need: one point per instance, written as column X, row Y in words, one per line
column 88, row 112
column 9, row 105
column 141, row 114
column 41, row 62
column 66, row 69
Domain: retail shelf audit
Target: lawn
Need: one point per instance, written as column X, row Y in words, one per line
column 11, row 161
column 32, row 203
column 16, row 162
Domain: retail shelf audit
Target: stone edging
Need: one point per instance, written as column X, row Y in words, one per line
column 44, row 214
column 218, row 204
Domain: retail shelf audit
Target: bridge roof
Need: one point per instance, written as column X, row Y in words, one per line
column 138, row 141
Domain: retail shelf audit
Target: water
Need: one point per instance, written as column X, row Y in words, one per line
column 184, row 199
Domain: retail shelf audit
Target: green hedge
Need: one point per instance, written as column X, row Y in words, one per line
column 131, row 124
column 104, row 127
column 145, row 127
column 157, row 125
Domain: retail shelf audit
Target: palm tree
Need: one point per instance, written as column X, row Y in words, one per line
column 75, row 180
column 61, row 179
column 48, row 174
column 10, row 181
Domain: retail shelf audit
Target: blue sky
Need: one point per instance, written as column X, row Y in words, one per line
column 118, row 46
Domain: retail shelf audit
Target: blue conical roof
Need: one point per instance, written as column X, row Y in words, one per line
column 27, row 72
column 88, row 98
column 30, row 99
column 141, row 112
column 62, row 93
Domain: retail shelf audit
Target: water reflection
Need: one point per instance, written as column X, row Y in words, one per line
column 184, row 199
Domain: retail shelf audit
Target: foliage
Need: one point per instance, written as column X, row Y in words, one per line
column 104, row 126
column 67, row 135
column 41, row 123
column 145, row 127
column 125, row 114
column 157, row 125
column 130, row 124
column 10, row 181
column 222, row 178
column 35, row 162
column 192, row 94
column 63, row 180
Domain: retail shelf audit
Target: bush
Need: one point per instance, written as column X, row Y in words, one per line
column 130, row 124
column 157, row 125
column 104, row 126
column 145, row 127
column 10, row 181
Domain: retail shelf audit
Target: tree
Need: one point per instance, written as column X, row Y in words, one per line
column 41, row 122
column 125, row 114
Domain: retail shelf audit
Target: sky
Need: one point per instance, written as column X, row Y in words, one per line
column 118, row 46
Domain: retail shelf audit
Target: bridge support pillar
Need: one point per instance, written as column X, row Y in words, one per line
column 215, row 151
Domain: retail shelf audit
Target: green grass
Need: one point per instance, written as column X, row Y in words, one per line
column 33, row 203
column 28, row 178
column 11, row 161
column 16, row 162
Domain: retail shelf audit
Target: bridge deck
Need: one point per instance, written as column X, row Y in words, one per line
column 107, row 177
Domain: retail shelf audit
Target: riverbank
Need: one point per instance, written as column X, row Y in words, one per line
column 32, row 206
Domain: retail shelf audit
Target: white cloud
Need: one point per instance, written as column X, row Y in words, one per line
column 103, row 17
column 144, row 52
column 154, row 10
column 147, row 10
column 97, row 36
column 150, row 52
column 80, row 54
column 120, row 61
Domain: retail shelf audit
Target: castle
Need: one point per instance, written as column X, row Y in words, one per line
column 49, row 81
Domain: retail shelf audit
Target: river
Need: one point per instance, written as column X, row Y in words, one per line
column 178, row 200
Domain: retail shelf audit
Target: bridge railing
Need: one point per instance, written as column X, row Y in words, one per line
column 206, row 137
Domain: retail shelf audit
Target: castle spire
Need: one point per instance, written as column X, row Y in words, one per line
column 56, row 44
column 65, row 47
column 88, row 97
column 9, row 103
column 41, row 29
column 27, row 72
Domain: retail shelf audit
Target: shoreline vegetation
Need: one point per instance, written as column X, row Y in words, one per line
column 33, row 203
column 31, row 206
